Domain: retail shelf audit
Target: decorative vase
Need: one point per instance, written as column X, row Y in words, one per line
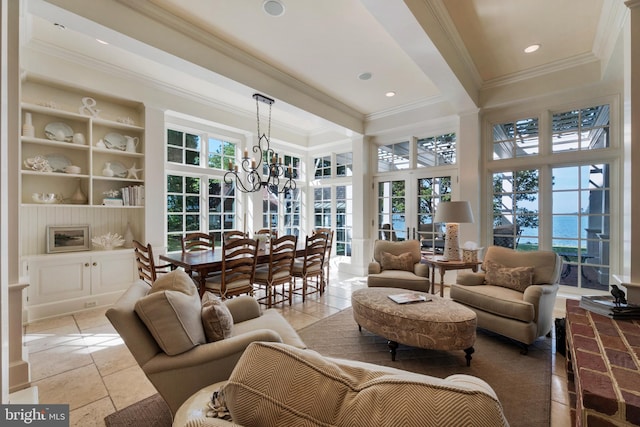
column 107, row 171
column 128, row 237
column 78, row 198
column 27, row 127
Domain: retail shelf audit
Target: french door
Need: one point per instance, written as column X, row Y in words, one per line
column 406, row 204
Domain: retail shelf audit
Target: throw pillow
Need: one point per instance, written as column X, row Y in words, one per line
column 176, row 280
column 390, row 261
column 517, row 278
column 171, row 312
column 216, row 318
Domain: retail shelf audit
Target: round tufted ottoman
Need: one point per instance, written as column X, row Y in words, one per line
column 439, row 324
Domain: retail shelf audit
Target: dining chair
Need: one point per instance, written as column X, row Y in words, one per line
column 327, row 253
column 278, row 271
column 272, row 233
column 193, row 242
column 147, row 268
column 310, row 266
column 239, row 256
column 234, row 234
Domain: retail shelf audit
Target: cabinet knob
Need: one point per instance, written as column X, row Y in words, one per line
column 95, row 263
column 86, row 264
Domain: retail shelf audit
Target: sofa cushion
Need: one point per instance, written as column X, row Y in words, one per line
column 171, row 312
column 396, row 262
column 216, row 318
column 517, row 278
column 276, row 385
column 503, row 302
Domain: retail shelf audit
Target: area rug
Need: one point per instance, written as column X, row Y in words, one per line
column 149, row 412
column 522, row 382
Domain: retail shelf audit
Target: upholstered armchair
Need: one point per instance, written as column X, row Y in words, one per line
column 514, row 294
column 397, row 265
column 170, row 335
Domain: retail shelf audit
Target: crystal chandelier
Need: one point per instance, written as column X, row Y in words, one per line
column 267, row 171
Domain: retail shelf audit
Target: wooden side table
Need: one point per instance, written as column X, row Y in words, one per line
column 444, row 265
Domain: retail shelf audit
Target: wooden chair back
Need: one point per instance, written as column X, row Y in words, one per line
column 239, row 256
column 147, row 269
column 273, row 233
column 233, row 234
column 193, row 242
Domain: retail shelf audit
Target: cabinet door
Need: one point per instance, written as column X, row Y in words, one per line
column 59, row 278
column 112, row 272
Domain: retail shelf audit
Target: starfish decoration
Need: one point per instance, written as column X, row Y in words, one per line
column 132, row 172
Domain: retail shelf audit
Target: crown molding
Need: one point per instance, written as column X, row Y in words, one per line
column 612, row 19
column 427, row 102
column 632, row 3
column 563, row 64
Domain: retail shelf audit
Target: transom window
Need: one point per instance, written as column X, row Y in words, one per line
column 183, row 148
column 437, row 150
column 322, row 167
column 394, row 157
column 344, row 164
column 581, row 129
column 516, row 139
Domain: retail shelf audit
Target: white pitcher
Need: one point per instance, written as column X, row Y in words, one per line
column 132, row 143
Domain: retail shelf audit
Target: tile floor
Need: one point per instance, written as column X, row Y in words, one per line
column 79, row 359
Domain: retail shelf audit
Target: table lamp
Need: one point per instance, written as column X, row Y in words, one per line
column 453, row 213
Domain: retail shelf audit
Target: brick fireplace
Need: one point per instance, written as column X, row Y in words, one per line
column 603, row 368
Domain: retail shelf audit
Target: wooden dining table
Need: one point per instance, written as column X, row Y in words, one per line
column 204, row 262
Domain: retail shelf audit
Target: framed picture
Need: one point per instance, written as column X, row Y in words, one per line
column 68, row 238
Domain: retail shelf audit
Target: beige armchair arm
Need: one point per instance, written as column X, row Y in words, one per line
column 218, row 350
column 421, row 270
column 375, row 267
column 243, row 308
column 470, row 279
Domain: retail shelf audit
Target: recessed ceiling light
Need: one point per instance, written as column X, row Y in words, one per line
column 273, row 7
column 532, row 48
column 365, row 76
column 390, row 94
column 59, row 26
column 101, row 41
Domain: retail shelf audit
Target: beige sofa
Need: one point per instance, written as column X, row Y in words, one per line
column 397, row 265
column 279, row 385
column 176, row 377
column 514, row 294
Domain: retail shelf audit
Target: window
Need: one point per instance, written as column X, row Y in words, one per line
column 183, row 208
column 222, row 154
column 515, row 208
column 431, row 191
column 344, row 164
column 516, row 139
column 391, row 210
column 322, row 207
column 198, row 199
column 581, row 129
column 222, row 208
column 393, row 157
column 437, row 150
column 292, row 206
column 580, row 227
column 270, row 205
column 294, row 163
column 183, row 148
column 554, row 205
column 344, row 218
column 322, row 166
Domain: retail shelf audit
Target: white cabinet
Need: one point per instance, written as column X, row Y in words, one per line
column 65, row 283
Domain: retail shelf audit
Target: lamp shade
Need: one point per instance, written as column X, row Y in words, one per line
column 454, row 212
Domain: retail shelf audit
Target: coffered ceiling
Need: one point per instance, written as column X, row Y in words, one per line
column 314, row 57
